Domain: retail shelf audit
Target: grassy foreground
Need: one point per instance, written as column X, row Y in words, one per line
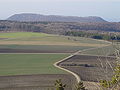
column 22, row 64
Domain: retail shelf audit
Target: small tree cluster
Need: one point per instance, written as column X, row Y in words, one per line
column 59, row 85
column 80, row 86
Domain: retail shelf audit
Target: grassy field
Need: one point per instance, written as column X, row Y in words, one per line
column 22, row 64
column 22, row 35
column 29, row 38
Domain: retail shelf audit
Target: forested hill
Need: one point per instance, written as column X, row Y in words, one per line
column 58, row 27
column 53, row 18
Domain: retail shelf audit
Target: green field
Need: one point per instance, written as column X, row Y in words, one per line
column 24, row 64
column 22, row 35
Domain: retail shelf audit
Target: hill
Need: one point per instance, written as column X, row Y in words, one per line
column 53, row 18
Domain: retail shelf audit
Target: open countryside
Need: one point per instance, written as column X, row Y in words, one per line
column 27, row 54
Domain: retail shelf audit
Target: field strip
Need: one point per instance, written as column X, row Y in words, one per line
column 97, row 55
column 35, row 53
column 49, row 43
column 94, row 48
column 56, row 64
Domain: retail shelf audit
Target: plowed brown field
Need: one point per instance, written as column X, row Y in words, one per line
column 34, row 82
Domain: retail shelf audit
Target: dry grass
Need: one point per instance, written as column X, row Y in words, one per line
column 91, row 85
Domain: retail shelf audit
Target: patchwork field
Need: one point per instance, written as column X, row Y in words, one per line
column 28, row 38
column 28, row 42
column 26, row 60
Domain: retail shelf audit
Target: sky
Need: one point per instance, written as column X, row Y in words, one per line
column 107, row 9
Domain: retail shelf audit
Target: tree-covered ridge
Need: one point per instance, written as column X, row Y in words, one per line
column 59, row 27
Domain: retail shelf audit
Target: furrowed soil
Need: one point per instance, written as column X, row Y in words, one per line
column 35, row 82
column 90, row 68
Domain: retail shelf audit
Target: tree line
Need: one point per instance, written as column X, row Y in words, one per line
column 105, row 36
column 58, row 27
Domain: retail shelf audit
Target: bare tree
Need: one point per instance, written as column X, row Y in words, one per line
column 114, row 82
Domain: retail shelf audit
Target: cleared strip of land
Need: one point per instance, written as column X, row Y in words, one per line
column 49, row 43
column 40, row 48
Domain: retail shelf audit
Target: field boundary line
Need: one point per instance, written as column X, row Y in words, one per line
column 97, row 55
column 35, row 53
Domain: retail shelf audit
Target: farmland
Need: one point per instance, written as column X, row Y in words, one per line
column 40, row 48
column 106, row 51
column 89, row 68
column 34, row 82
column 26, row 55
column 27, row 38
column 22, row 64
column 27, row 42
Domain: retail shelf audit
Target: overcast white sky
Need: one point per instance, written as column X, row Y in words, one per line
column 107, row 9
column 53, row 0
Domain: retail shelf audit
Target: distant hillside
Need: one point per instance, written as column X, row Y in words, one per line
column 53, row 18
column 58, row 27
